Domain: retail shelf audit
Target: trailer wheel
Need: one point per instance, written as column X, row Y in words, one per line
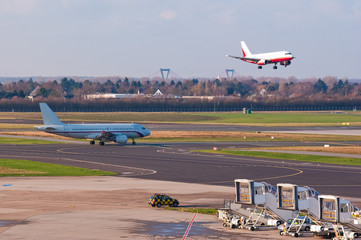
column 224, row 224
column 252, row 228
column 159, row 205
column 278, row 223
column 296, row 234
column 233, row 226
column 281, row 233
column 355, row 235
column 307, row 228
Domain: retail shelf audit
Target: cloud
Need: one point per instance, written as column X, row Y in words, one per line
column 168, row 14
column 18, row 7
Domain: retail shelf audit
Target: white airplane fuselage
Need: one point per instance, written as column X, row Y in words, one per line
column 271, row 57
column 116, row 132
column 89, row 131
column 282, row 57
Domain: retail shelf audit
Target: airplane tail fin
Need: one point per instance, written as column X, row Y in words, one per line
column 49, row 117
column 245, row 49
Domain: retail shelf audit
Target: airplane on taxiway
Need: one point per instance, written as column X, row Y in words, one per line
column 116, row 132
column 282, row 57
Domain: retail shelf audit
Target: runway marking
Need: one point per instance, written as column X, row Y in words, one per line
column 189, row 227
column 268, row 178
column 64, row 150
column 298, row 171
column 280, row 161
column 150, row 171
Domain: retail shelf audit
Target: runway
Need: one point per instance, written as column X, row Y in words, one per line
column 174, row 162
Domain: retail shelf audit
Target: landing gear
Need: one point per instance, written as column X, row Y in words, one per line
column 259, row 67
column 92, row 142
column 134, row 142
column 274, row 67
column 101, row 143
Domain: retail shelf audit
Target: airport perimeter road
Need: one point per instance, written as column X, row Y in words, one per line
column 173, row 162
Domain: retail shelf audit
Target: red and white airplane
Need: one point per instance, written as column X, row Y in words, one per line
column 282, row 57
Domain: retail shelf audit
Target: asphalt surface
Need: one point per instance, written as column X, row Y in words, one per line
column 174, row 162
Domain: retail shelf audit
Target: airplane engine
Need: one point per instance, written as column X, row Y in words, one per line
column 122, row 139
column 262, row 62
column 286, row 63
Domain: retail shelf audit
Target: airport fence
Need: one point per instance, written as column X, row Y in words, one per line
column 166, row 105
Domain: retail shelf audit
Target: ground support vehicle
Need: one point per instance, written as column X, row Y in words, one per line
column 262, row 197
column 296, row 226
column 303, row 200
column 230, row 218
column 344, row 217
column 256, row 206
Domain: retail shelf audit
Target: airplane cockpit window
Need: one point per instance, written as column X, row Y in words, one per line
column 288, row 53
column 143, row 128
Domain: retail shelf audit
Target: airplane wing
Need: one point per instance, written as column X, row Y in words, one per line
column 245, row 58
column 104, row 136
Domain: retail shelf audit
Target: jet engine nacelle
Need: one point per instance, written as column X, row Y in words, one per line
column 263, row 62
column 122, row 139
column 286, row 63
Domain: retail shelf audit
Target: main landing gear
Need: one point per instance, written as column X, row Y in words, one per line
column 274, row 67
column 92, row 142
column 133, row 142
column 259, row 67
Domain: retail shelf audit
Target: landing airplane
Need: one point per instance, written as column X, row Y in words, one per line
column 118, row 133
column 282, row 57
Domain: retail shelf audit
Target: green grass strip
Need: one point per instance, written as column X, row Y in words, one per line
column 21, row 141
column 16, row 167
column 291, row 156
column 209, row 211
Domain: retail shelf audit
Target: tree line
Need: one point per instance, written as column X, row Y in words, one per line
column 235, row 94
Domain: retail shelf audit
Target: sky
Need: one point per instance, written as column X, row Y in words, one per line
column 136, row 38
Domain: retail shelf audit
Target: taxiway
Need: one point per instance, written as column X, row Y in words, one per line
column 175, row 162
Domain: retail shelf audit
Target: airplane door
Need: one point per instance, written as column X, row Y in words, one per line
column 66, row 133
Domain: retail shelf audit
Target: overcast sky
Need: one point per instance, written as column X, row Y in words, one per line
column 192, row 37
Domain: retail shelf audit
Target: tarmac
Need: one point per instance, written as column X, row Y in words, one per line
column 117, row 207
column 110, row 208
column 174, row 162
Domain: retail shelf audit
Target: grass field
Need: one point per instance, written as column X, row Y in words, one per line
column 9, row 140
column 289, row 156
column 209, row 136
column 16, row 167
column 256, row 118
